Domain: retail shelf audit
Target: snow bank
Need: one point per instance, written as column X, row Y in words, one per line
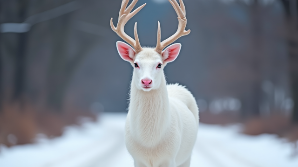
column 101, row 144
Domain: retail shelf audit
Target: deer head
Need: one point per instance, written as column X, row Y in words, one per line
column 148, row 63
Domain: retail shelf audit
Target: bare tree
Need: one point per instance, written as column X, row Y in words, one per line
column 291, row 35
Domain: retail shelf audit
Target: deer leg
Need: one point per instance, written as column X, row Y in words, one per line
column 139, row 164
column 170, row 163
column 185, row 164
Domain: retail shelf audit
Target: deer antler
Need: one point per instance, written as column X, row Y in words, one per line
column 180, row 10
column 124, row 16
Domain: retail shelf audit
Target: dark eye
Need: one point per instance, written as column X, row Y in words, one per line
column 136, row 65
column 159, row 65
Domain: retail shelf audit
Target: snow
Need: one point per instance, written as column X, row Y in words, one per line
column 101, row 144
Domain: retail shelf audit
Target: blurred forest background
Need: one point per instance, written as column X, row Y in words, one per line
column 58, row 63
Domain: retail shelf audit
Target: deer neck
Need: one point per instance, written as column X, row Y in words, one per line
column 149, row 113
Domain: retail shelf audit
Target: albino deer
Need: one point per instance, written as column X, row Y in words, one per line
column 162, row 121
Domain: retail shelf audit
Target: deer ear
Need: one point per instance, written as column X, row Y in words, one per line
column 125, row 51
column 171, row 52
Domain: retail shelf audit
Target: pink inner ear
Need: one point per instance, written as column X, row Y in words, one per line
column 171, row 52
column 125, row 51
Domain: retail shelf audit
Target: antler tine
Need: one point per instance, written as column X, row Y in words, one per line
column 112, row 25
column 182, row 7
column 130, row 15
column 131, row 6
column 124, row 16
column 138, row 47
column 158, row 46
column 177, row 8
column 180, row 10
column 123, row 7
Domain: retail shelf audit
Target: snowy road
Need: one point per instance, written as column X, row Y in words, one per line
column 101, row 144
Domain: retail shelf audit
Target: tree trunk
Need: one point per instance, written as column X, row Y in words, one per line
column 1, row 73
column 295, row 96
column 62, row 66
column 293, row 66
column 20, row 58
column 1, row 59
column 20, row 68
column 291, row 21
column 255, row 94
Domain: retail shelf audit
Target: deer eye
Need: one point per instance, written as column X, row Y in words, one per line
column 159, row 65
column 136, row 65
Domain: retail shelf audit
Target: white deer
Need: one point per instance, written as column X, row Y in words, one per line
column 162, row 121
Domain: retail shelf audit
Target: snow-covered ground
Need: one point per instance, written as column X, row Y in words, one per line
column 101, row 144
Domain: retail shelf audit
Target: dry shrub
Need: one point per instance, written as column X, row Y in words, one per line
column 278, row 124
column 52, row 124
column 292, row 134
column 18, row 121
column 19, row 124
column 274, row 124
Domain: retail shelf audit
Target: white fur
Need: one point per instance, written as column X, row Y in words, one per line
column 162, row 122
column 131, row 53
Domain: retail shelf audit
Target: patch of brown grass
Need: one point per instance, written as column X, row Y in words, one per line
column 23, row 122
column 273, row 124
column 277, row 124
column 17, row 121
